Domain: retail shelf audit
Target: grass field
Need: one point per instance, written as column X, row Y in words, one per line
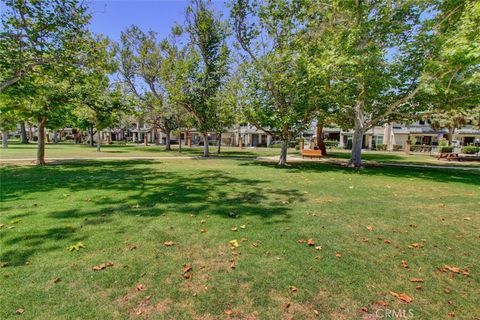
column 364, row 224
column 69, row 150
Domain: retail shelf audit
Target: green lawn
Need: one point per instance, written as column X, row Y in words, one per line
column 69, row 150
column 124, row 211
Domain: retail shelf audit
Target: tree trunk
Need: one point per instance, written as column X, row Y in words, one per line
column 55, row 137
column 358, row 132
column 5, row 139
column 41, row 141
column 180, row 141
column 155, row 137
column 320, row 144
column 283, row 153
column 167, row 141
column 450, row 135
column 206, row 153
column 219, row 135
column 99, row 142
column 23, row 135
column 90, row 131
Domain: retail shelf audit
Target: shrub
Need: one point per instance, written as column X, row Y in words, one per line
column 420, row 148
column 397, row 147
column 331, row 143
column 381, row 147
column 470, row 149
column 445, row 149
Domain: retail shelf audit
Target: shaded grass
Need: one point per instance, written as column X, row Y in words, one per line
column 112, row 205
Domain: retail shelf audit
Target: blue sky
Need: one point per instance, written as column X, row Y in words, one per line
column 114, row 16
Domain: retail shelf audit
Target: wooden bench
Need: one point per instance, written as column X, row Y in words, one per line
column 449, row 156
column 311, row 153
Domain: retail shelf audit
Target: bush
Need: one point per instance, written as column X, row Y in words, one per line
column 381, row 147
column 420, row 148
column 470, row 149
column 331, row 143
column 445, row 149
column 397, row 147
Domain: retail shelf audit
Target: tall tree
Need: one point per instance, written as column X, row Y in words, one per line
column 38, row 34
column 141, row 64
column 275, row 74
column 202, row 69
column 380, row 55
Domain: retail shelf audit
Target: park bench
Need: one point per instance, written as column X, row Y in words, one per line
column 449, row 156
column 311, row 153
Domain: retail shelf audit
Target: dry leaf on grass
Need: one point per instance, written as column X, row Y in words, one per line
column 404, row 264
column 293, row 289
column 140, row 287
column 310, row 242
column 402, row 297
column 416, row 280
column 103, row 266
column 234, row 244
column 370, row 228
column 168, row 243
column 415, row 246
column 20, row 311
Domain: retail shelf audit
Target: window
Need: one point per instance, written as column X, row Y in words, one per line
column 378, row 140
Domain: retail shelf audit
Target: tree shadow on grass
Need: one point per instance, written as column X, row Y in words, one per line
column 432, row 174
column 134, row 188
column 34, row 242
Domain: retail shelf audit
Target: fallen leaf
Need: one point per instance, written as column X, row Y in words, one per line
column 418, row 287
column 370, row 228
column 415, row 245
column 310, row 242
column 168, row 243
column 102, row 266
column 132, row 247
column 234, row 244
column 364, row 309
column 452, row 269
column 404, row 264
column 56, row 280
column 402, row 296
column 301, row 241
column 338, row 255
column 287, row 305
column 203, row 230
column 255, row 245
column 187, row 268
column 318, row 247
column 452, row 314
column 381, row 303
column 3, row 264
column 293, row 289
column 20, row 311
column 75, row 247
column 234, row 229
column 351, row 187
column 140, row 287
column 387, row 241
column 416, row 280
column 243, row 226
column 316, row 312
column 202, row 221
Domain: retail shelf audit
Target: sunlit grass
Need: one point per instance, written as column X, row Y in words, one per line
column 123, row 212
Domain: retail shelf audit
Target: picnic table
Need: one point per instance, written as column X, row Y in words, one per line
column 449, row 156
